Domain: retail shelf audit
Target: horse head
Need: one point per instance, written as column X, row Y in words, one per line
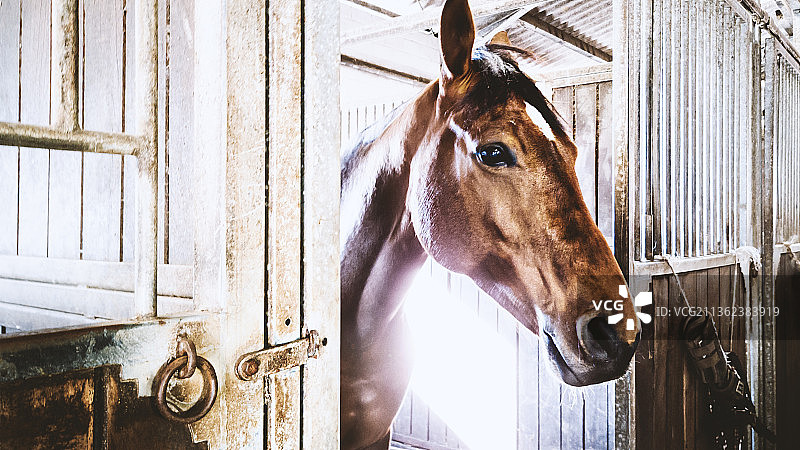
column 493, row 194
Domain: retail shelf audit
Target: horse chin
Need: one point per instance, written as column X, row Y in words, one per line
column 585, row 375
column 559, row 364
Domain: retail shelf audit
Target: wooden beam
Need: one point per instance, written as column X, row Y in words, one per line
column 89, row 302
column 376, row 69
column 174, row 280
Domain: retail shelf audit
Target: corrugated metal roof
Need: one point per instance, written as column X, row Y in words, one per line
column 562, row 34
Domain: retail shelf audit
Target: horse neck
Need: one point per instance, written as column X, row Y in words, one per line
column 380, row 252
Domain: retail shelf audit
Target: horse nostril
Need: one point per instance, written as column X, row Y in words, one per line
column 603, row 335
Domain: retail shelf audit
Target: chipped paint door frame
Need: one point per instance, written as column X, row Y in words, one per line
column 303, row 208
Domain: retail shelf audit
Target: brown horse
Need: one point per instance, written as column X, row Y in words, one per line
column 477, row 172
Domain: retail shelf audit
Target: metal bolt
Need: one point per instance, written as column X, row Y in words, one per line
column 250, row 367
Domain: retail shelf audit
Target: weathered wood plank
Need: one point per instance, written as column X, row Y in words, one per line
column 528, row 390
column 674, row 402
column 549, row 405
column 9, row 111
column 34, row 109
column 180, row 146
column 321, row 307
column 402, row 423
column 16, row 318
column 90, row 302
column 285, row 196
column 663, row 296
column 419, row 417
column 563, row 101
column 102, row 111
column 605, row 162
column 728, row 276
column 64, row 203
column 645, row 386
column 586, row 140
column 174, row 280
column 696, row 297
column 128, row 165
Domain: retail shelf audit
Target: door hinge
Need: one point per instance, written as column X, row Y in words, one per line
column 259, row 364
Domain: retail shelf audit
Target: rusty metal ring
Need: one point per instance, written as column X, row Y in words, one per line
column 186, row 347
column 207, row 398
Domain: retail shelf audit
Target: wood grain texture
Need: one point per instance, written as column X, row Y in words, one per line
column 9, row 111
column 181, row 131
column 34, row 109
column 102, row 111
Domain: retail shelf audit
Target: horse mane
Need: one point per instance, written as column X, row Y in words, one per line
column 500, row 77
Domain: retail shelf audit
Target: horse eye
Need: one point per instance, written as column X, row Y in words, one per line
column 495, row 155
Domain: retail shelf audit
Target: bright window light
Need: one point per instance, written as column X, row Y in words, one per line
column 464, row 370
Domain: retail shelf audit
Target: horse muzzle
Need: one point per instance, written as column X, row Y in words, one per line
column 602, row 353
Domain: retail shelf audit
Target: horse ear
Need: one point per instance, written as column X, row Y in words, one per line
column 500, row 38
column 456, row 35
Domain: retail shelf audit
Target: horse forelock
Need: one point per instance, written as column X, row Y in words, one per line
column 498, row 78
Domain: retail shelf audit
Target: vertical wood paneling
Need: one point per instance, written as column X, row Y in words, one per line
column 674, row 375
column 605, row 162
column 181, row 130
column 9, row 111
column 128, row 172
column 102, row 111
column 528, row 390
column 549, row 406
column 585, row 127
column 34, row 109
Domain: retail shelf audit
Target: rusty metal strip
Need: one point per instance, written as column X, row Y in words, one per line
column 270, row 361
column 23, row 135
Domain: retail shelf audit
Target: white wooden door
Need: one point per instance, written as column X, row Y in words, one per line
column 236, row 245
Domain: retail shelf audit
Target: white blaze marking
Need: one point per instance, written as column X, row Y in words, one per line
column 539, row 121
column 464, row 136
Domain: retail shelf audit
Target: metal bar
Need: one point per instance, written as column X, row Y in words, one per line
column 725, row 132
column 739, row 112
column 650, row 90
column 683, row 77
column 701, row 150
column 768, row 231
column 721, row 97
column 692, row 122
column 669, row 125
column 147, row 174
column 634, row 134
column 24, row 135
column 64, row 65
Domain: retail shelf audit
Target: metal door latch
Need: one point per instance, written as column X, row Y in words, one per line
column 282, row 357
